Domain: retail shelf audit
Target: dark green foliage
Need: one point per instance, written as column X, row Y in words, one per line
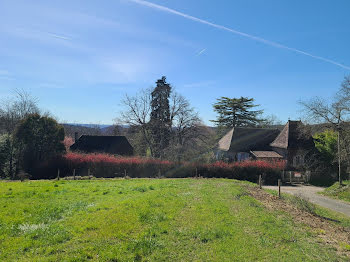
column 12, row 112
column 5, row 145
column 160, row 123
column 236, row 112
column 7, row 156
column 39, row 138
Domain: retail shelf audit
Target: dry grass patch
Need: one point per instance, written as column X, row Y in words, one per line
column 305, row 213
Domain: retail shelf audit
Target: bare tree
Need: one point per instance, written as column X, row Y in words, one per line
column 334, row 114
column 137, row 114
column 12, row 111
column 187, row 128
column 184, row 122
column 270, row 121
column 344, row 94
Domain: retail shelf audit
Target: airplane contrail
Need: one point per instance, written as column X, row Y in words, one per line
column 59, row 36
column 201, row 52
column 253, row 37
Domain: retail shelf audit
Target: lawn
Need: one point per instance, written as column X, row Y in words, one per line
column 335, row 191
column 148, row 220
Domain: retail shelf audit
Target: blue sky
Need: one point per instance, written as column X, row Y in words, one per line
column 80, row 57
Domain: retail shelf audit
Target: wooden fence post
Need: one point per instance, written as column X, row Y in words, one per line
column 260, row 181
column 89, row 173
column 58, row 174
column 124, row 173
column 196, row 172
column 279, row 188
column 290, row 177
column 74, row 174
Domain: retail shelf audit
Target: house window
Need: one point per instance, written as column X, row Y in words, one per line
column 242, row 156
column 298, row 160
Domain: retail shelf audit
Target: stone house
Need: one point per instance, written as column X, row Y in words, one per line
column 290, row 144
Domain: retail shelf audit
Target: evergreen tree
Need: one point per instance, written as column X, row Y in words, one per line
column 5, row 153
column 38, row 138
column 160, row 123
column 236, row 112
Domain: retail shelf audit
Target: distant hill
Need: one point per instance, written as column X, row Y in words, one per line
column 87, row 129
column 98, row 129
column 88, row 125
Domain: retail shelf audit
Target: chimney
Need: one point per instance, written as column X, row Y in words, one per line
column 75, row 136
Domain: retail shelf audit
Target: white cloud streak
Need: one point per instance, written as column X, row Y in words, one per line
column 4, row 72
column 253, row 37
column 201, row 52
column 59, row 36
column 30, row 33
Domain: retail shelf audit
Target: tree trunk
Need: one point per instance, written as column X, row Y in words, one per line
column 11, row 173
column 339, row 160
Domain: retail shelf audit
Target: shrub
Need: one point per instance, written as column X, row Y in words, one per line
column 108, row 166
column 23, row 176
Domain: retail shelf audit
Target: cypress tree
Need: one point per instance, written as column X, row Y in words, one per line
column 160, row 123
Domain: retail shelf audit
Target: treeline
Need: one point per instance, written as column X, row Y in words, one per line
column 329, row 122
column 163, row 125
column 159, row 122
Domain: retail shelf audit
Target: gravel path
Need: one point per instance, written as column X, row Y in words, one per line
column 311, row 193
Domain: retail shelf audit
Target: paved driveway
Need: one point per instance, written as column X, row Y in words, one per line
column 310, row 193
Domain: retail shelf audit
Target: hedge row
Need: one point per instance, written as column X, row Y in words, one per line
column 107, row 166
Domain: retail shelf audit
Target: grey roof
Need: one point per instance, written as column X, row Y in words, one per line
column 117, row 145
column 266, row 154
column 292, row 136
column 241, row 139
column 282, row 139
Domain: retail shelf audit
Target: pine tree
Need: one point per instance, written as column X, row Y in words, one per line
column 236, row 112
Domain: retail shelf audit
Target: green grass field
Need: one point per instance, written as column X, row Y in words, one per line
column 335, row 191
column 148, row 220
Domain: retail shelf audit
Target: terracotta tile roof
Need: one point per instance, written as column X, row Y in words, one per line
column 266, row 154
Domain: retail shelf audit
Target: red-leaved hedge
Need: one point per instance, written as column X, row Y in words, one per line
column 108, row 166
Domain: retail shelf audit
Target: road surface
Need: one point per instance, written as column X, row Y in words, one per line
column 311, row 194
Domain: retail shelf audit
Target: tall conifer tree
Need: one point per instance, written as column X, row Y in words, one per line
column 236, row 112
column 160, row 123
